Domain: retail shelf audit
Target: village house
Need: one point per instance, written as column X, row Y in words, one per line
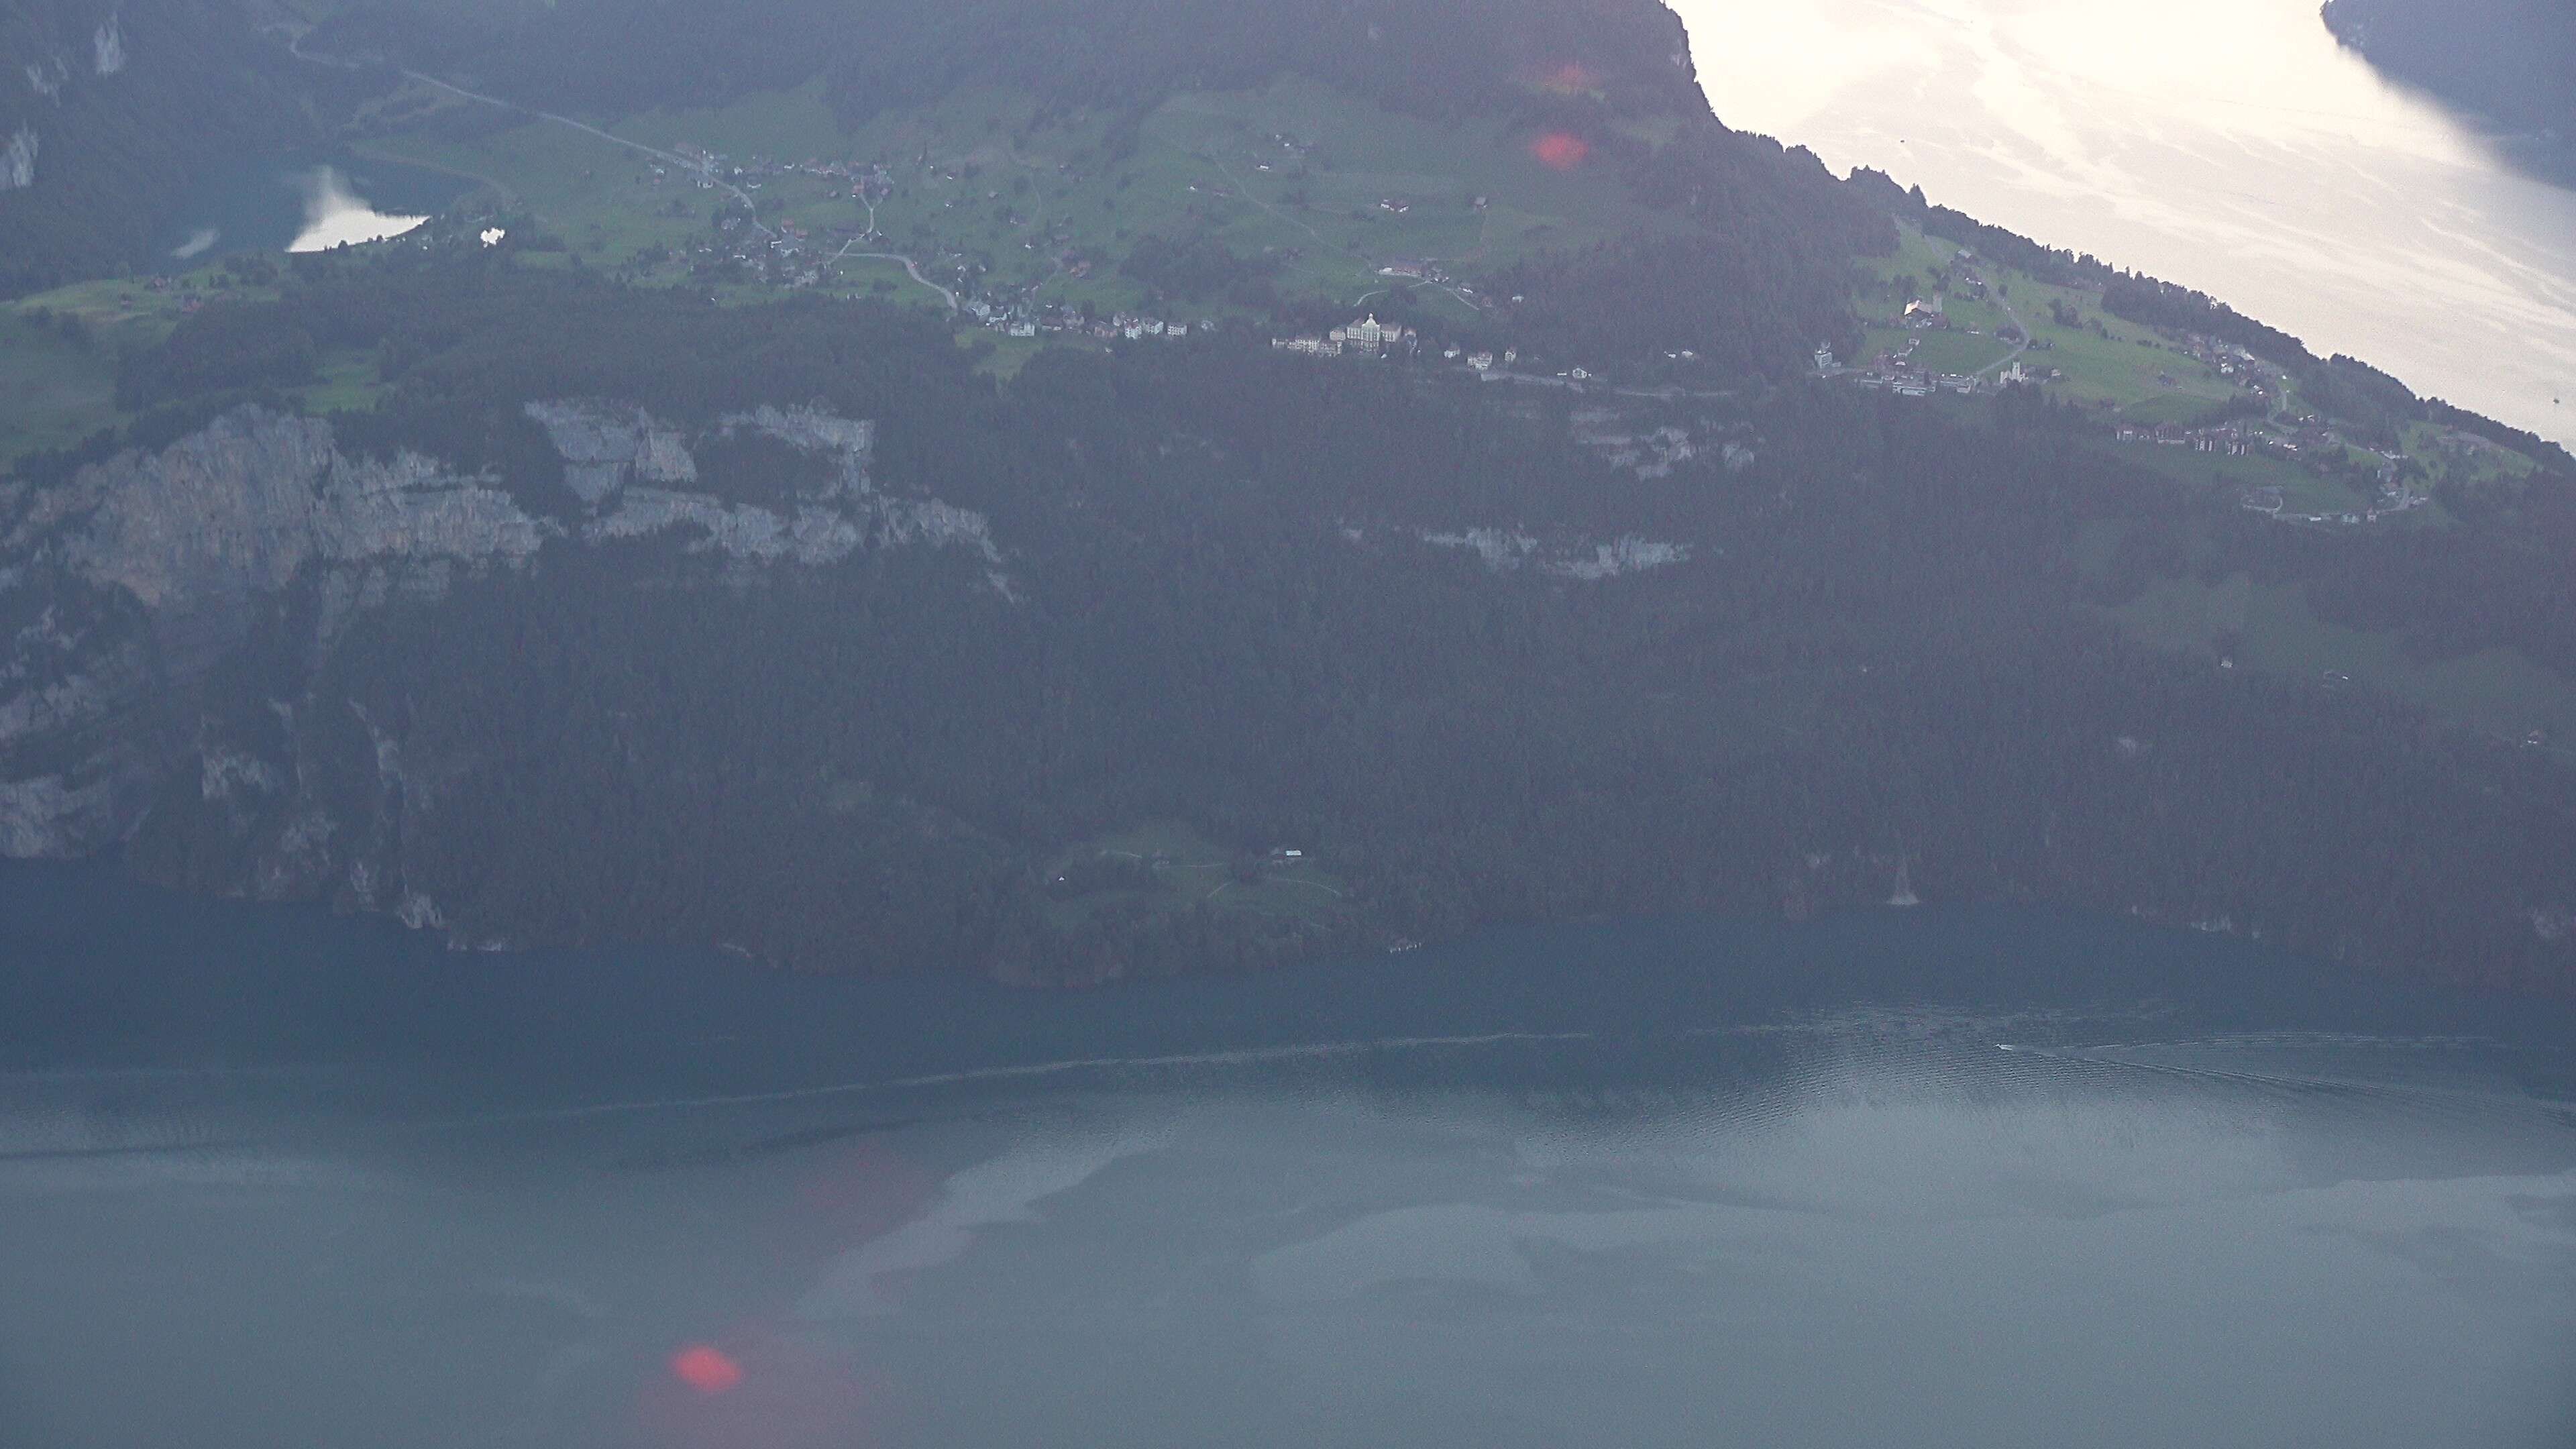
column 1370, row 334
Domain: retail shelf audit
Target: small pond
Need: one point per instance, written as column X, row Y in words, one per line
column 300, row 203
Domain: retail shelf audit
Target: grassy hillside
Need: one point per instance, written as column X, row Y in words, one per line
column 2271, row 629
column 988, row 189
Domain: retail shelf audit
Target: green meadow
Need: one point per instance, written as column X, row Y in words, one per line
column 2271, row 629
column 1166, row 865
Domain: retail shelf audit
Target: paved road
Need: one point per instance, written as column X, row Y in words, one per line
column 2019, row 348
column 674, row 158
column 913, row 271
column 1669, row 393
column 1246, row 193
column 295, row 47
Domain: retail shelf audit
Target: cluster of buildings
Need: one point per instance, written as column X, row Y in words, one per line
column 1125, row 325
column 867, row 181
column 781, row 255
column 2234, row 440
column 1893, row 373
column 2230, row 361
column 1367, row 337
column 1414, row 269
column 191, row 301
column 1025, row 319
column 2306, row 441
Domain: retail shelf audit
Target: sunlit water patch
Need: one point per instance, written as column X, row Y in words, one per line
column 1946, row 1176
column 1882, row 1228
column 299, row 203
column 335, row 216
column 2230, row 145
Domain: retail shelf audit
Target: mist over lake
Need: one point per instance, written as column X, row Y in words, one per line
column 2230, row 145
column 1974, row 1176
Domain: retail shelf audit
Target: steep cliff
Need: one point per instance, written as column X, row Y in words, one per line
column 129, row 592
column 110, row 108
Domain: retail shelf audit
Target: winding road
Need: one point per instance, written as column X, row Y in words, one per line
column 295, row 48
column 909, row 268
column 1246, row 193
column 2009, row 358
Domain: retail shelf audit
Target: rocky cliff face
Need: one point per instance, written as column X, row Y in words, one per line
column 18, row 159
column 637, row 476
column 126, row 588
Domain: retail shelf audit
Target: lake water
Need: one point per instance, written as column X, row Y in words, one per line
column 1982, row 1177
column 2229, row 145
column 300, row 204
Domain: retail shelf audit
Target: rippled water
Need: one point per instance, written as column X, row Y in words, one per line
column 1862, row 1224
column 2230, row 145
column 1981, row 1176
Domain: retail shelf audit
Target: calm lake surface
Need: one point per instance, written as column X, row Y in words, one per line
column 1985, row 1177
column 2230, row 145
column 300, row 204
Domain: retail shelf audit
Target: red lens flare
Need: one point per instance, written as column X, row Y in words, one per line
column 1560, row 150
column 707, row 1370
column 1571, row 78
column 763, row 1389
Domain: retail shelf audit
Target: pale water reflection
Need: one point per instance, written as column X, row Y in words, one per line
column 301, row 202
column 1981, row 1176
column 335, row 215
column 2230, row 145
column 1870, row 1227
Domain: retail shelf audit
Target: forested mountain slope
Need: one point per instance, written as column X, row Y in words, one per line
column 638, row 664
column 1294, row 479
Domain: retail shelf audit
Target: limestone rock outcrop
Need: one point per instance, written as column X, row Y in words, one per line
column 126, row 587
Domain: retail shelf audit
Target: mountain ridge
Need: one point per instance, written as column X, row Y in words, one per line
column 544, row 587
